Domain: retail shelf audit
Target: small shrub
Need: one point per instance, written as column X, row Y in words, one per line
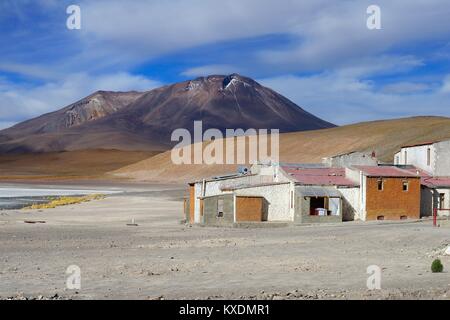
column 436, row 266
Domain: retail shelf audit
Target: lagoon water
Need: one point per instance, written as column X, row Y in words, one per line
column 14, row 197
column 8, row 192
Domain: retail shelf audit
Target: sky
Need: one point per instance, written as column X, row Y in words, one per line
column 318, row 53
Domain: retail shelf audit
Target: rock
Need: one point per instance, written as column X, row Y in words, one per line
column 447, row 251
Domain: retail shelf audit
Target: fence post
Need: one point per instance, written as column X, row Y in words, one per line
column 435, row 217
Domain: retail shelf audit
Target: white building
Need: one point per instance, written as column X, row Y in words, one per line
column 433, row 160
column 433, row 157
column 299, row 193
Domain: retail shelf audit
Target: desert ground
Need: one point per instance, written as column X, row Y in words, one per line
column 161, row 258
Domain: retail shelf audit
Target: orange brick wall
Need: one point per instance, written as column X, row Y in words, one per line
column 249, row 209
column 393, row 202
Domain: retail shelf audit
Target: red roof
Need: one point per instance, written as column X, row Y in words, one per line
column 385, row 171
column 436, row 182
column 319, row 176
column 428, row 180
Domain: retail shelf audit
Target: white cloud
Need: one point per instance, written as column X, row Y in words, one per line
column 323, row 33
column 209, row 70
column 343, row 99
column 405, row 88
column 34, row 71
column 446, row 85
column 337, row 34
column 20, row 102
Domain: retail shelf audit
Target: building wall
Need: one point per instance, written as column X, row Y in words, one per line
column 273, row 172
column 430, row 200
column 442, row 160
column 302, row 212
column 277, row 197
column 392, row 202
column 446, row 192
column 398, row 158
column 355, row 158
column 198, row 193
column 213, row 188
column 250, row 209
column 417, row 156
column 351, row 208
column 210, row 206
column 191, row 215
column 426, row 202
column 353, row 174
column 363, row 198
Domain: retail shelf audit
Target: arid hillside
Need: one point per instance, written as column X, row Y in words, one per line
column 383, row 137
column 86, row 164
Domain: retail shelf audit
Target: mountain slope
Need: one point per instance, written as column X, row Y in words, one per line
column 52, row 131
column 383, row 137
column 145, row 121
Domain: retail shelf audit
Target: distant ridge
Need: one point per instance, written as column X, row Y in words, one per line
column 385, row 138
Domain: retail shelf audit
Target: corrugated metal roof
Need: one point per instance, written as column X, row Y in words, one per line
column 428, row 180
column 303, row 165
column 250, row 185
column 385, row 171
column 319, row 176
column 315, row 191
column 436, row 182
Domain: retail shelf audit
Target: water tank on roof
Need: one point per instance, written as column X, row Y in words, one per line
column 243, row 170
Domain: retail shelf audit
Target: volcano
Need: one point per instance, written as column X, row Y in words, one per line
column 145, row 120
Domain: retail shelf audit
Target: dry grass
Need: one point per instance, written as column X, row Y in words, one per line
column 65, row 201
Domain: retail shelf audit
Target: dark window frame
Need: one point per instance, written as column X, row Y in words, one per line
column 380, row 185
column 405, row 183
column 441, row 201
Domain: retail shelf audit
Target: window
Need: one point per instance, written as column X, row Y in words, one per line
column 319, row 206
column 405, row 186
column 406, row 157
column 220, row 208
column 442, row 201
column 380, row 185
column 428, row 156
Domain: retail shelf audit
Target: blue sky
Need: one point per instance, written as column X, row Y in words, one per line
column 318, row 53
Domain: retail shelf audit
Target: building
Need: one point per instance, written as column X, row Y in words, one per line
column 305, row 193
column 432, row 162
column 387, row 192
column 431, row 157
